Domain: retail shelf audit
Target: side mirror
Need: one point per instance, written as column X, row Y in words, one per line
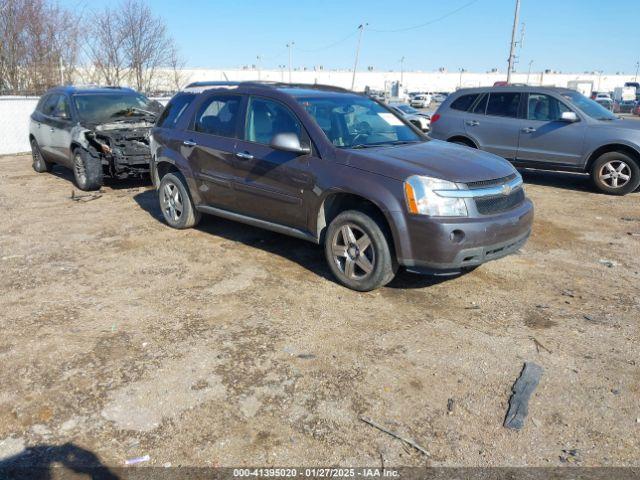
column 288, row 142
column 569, row 117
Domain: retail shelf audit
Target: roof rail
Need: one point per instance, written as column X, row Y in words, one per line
column 205, row 85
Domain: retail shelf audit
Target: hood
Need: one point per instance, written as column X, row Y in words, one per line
column 619, row 124
column 433, row 158
column 122, row 125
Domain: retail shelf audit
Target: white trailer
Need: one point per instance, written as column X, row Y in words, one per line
column 585, row 87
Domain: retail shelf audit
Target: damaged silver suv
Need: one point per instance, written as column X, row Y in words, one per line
column 96, row 132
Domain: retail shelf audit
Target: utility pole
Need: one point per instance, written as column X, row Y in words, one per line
column 355, row 65
column 290, row 47
column 512, row 51
column 402, row 71
column 258, row 58
column 529, row 72
column 462, row 70
column 637, row 68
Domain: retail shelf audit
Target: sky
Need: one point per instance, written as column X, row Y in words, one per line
column 562, row 35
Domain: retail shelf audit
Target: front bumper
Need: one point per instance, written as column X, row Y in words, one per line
column 448, row 245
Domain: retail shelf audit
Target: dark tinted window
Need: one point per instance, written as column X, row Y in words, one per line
column 61, row 108
column 50, row 104
column 266, row 119
column 481, row 106
column 503, row 104
column 41, row 103
column 174, row 110
column 218, row 115
column 544, row 108
column 464, row 102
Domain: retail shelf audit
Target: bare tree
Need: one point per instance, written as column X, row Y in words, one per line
column 38, row 45
column 147, row 44
column 105, row 47
column 177, row 64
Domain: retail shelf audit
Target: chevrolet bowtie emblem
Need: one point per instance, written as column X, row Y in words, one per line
column 506, row 190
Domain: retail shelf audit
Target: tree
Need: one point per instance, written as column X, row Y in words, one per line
column 105, row 47
column 38, row 45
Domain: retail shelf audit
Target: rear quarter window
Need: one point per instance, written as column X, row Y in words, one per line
column 172, row 113
column 464, row 102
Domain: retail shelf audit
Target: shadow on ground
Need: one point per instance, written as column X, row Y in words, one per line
column 305, row 254
column 47, row 462
column 65, row 173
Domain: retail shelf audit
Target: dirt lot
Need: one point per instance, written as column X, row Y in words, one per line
column 228, row 345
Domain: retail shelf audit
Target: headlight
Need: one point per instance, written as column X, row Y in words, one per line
column 421, row 195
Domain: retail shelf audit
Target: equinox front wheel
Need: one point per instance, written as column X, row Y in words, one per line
column 358, row 252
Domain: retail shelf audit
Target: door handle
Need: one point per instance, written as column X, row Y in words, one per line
column 189, row 143
column 244, row 156
column 528, row 130
column 51, row 129
column 472, row 123
column 39, row 124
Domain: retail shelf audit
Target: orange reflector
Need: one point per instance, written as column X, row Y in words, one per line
column 412, row 205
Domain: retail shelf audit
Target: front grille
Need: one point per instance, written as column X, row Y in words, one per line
column 490, row 183
column 499, row 203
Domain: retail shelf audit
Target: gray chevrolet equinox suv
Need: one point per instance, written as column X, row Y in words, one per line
column 546, row 128
column 338, row 169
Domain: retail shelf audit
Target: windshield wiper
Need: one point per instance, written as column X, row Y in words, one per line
column 132, row 110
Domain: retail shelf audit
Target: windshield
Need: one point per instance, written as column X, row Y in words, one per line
column 106, row 107
column 589, row 107
column 350, row 121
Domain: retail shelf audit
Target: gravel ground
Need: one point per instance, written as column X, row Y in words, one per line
column 228, row 345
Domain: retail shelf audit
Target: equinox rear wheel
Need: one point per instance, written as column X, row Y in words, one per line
column 358, row 252
column 615, row 173
column 175, row 202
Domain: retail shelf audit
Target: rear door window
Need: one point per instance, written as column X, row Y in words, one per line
column 503, row 104
column 464, row 102
column 175, row 108
column 218, row 115
column 481, row 105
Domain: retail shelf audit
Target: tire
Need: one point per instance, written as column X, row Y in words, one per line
column 87, row 170
column 615, row 173
column 358, row 252
column 176, row 203
column 39, row 164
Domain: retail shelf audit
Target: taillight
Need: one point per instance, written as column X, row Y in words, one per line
column 435, row 118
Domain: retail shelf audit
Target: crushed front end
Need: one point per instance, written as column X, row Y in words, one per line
column 122, row 146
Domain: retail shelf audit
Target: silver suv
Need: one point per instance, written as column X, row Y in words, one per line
column 546, row 128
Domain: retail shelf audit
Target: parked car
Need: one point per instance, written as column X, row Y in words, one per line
column 416, row 117
column 96, row 132
column 602, row 96
column 546, row 128
column 636, row 109
column 605, row 102
column 340, row 170
column 421, row 100
column 623, row 106
column 439, row 97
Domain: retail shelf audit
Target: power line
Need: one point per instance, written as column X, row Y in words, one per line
column 331, row 45
column 430, row 22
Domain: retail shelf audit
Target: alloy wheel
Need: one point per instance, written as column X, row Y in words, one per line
column 172, row 201
column 615, row 174
column 353, row 252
